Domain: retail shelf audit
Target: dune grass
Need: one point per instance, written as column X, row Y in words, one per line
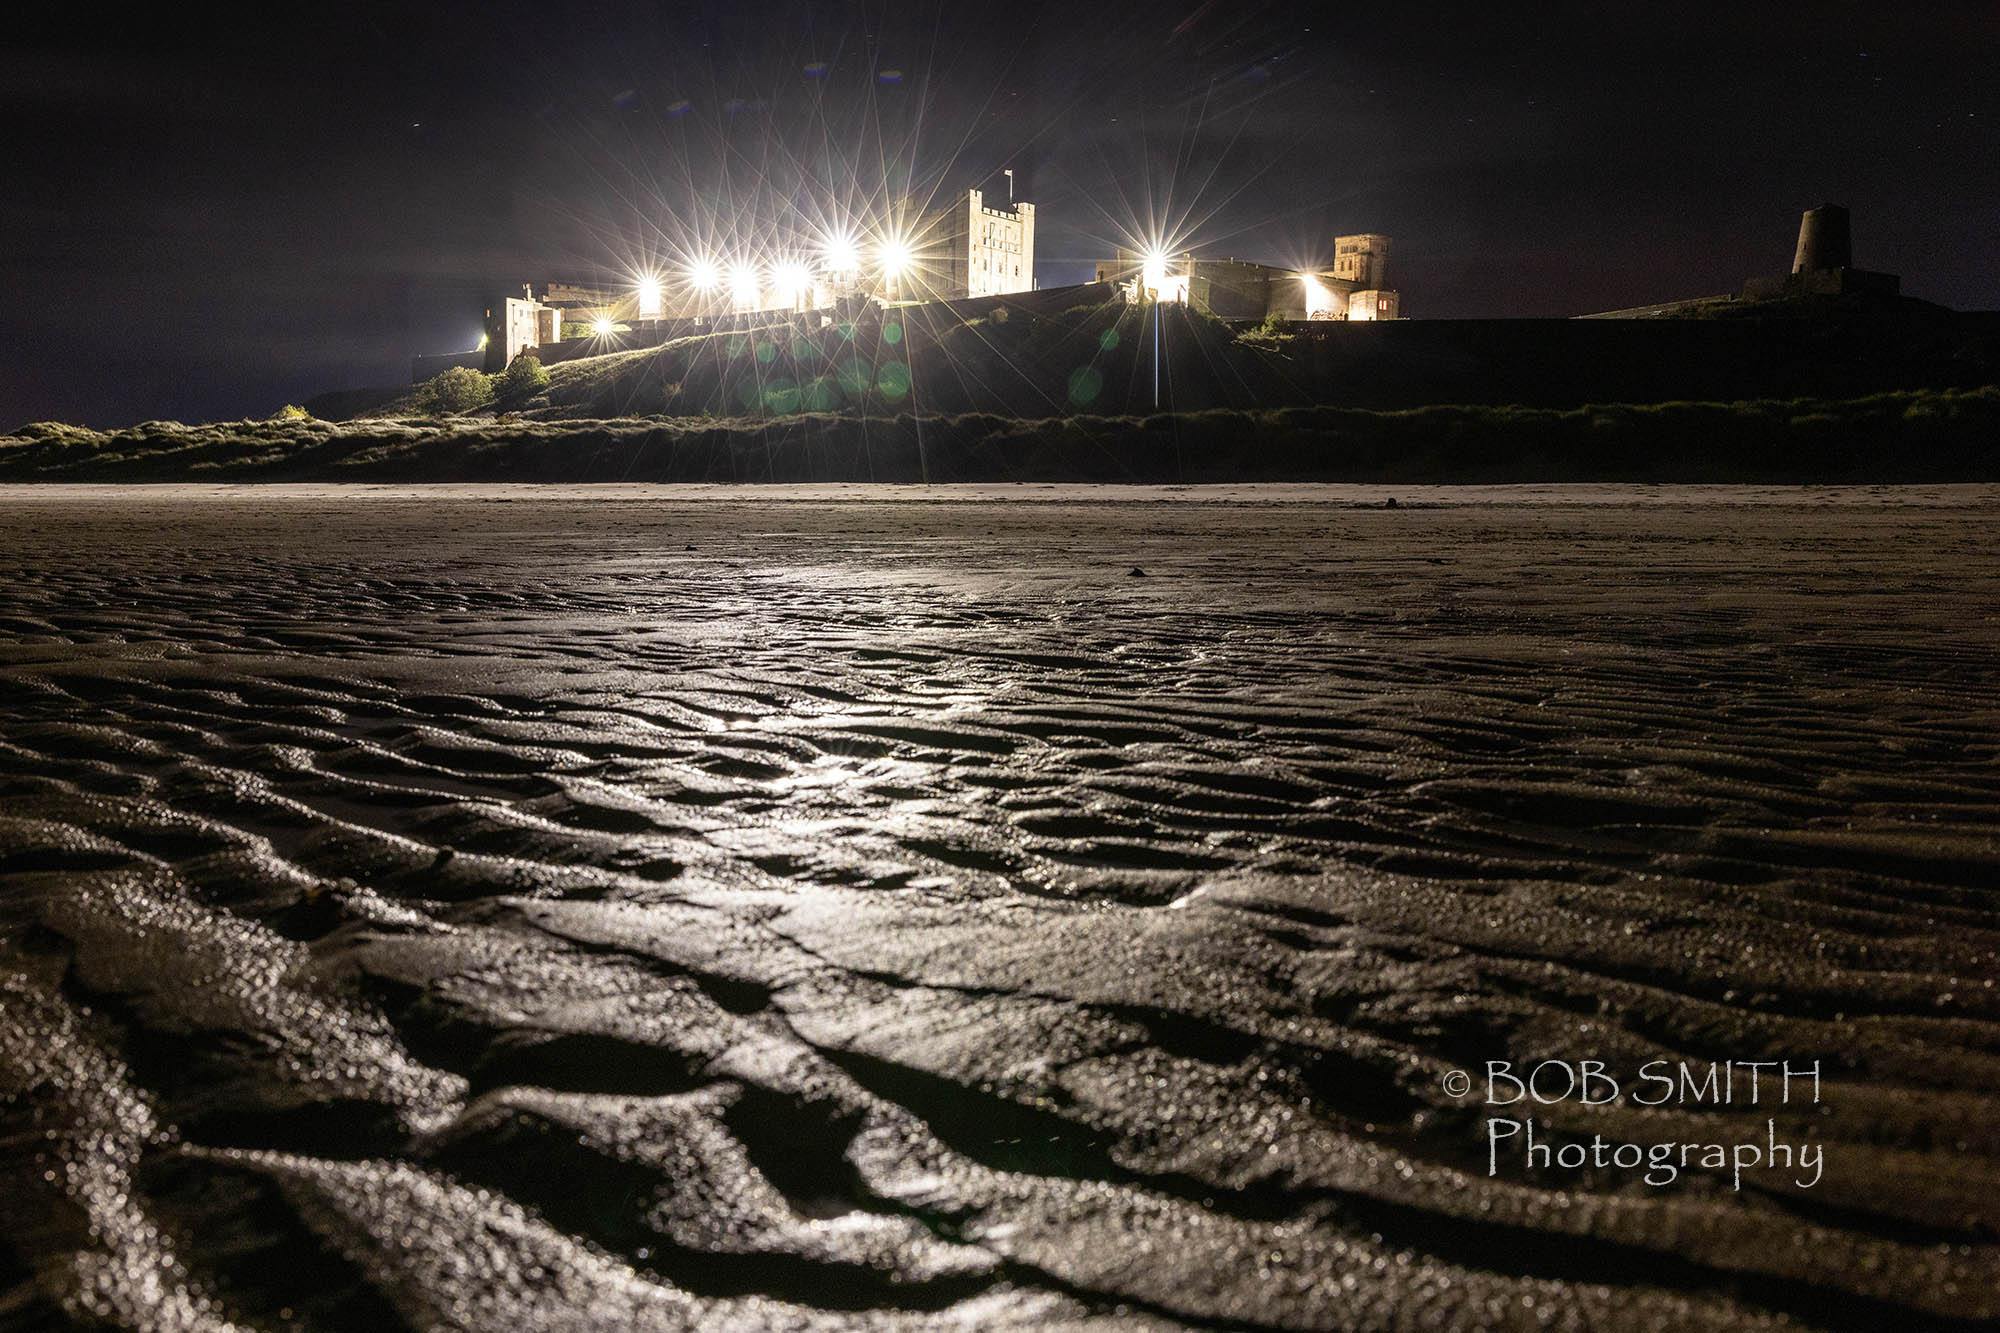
column 1918, row 435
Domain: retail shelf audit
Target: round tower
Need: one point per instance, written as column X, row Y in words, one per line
column 1823, row 240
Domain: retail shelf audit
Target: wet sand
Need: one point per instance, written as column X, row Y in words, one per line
column 997, row 907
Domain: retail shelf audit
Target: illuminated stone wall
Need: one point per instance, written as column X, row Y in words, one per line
column 521, row 327
column 1362, row 260
column 1231, row 289
column 988, row 251
column 1374, row 303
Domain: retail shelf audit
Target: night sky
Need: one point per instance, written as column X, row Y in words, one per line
column 205, row 218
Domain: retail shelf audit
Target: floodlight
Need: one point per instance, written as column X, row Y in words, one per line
column 743, row 285
column 650, row 303
column 895, row 256
column 841, row 256
column 704, row 275
column 1321, row 302
column 791, row 279
column 601, row 327
column 1155, row 273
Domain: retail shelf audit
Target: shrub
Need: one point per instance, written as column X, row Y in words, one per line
column 524, row 377
column 57, row 430
column 459, row 389
column 291, row 412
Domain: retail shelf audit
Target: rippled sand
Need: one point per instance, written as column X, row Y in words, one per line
column 1020, row 907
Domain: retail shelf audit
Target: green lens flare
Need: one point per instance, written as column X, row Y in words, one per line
column 819, row 394
column 781, row 395
column 893, row 381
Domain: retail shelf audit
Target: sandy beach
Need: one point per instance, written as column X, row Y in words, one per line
column 1009, row 906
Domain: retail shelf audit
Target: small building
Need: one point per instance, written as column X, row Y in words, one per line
column 1372, row 303
column 565, row 311
column 518, row 324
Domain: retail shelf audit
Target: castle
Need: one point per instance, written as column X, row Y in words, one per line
column 971, row 247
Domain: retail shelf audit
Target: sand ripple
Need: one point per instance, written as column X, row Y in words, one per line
column 479, row 908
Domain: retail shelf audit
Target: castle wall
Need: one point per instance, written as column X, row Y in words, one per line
column 1230, row 290
column 1237, row 289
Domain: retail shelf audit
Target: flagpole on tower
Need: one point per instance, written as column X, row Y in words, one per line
column 1010, row 187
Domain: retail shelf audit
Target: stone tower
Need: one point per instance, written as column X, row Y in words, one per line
column 1824, row 241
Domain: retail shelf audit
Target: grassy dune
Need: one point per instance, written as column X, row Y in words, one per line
column 1920, row 435
column 1060, row 386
